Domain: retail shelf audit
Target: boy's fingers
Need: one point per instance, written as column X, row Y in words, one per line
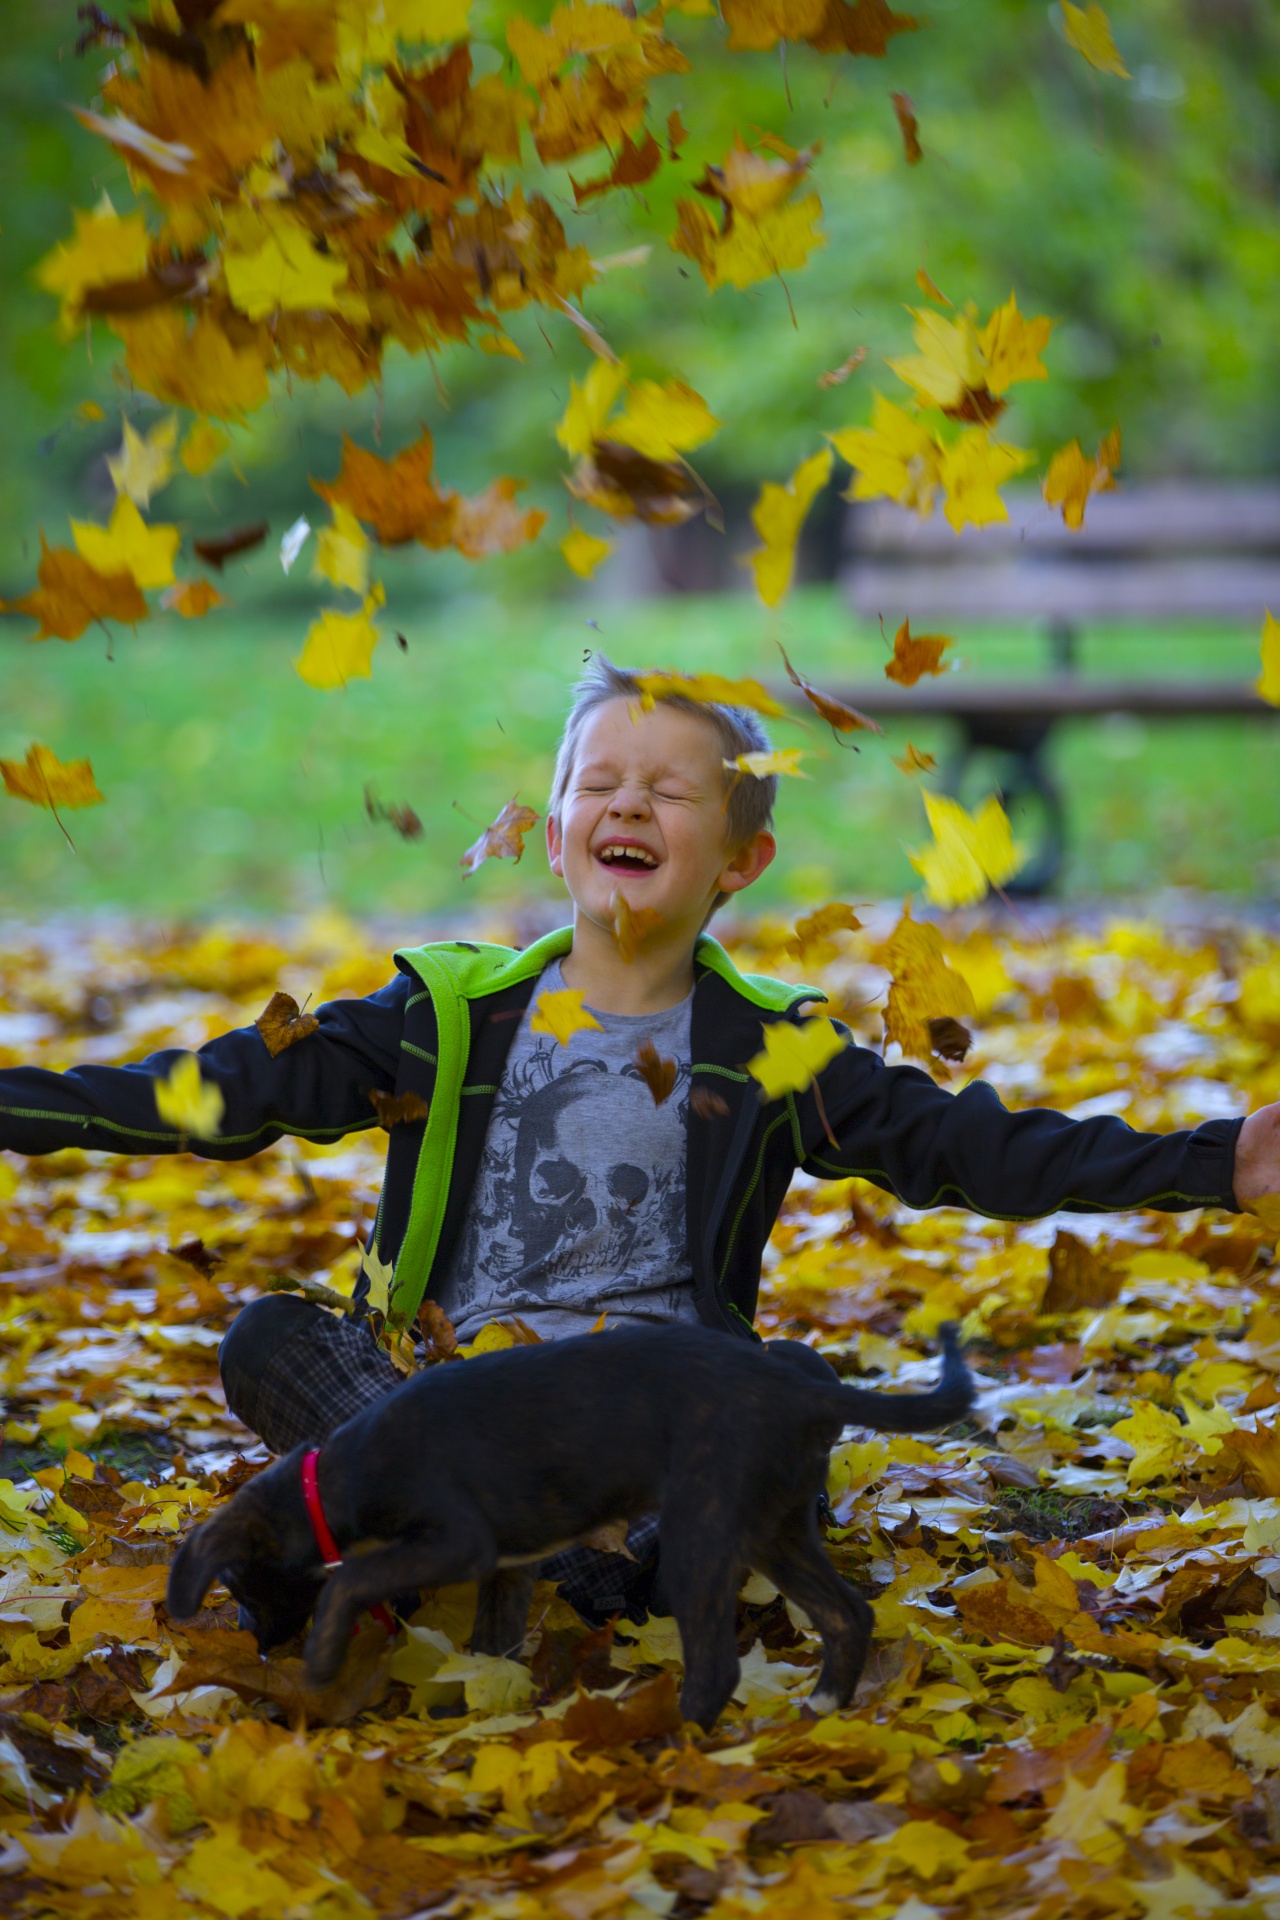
column 1257, row 1162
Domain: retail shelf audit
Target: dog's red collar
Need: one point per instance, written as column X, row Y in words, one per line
column 320, row 1527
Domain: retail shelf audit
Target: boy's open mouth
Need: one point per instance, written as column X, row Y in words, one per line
column 622, row 857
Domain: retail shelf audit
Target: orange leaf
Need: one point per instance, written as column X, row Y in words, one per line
column 844, row 719
column 397, row 497
column 632, row 925
column 492, row 523
column 72, row 593
column 395, row 1109
column 192, row 598
column 909, row 127
column 659, row 1075
column 46, row 781
column 915, row 655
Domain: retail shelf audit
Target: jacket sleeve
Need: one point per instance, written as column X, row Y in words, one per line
column 898, row 1129
column 317, row 1089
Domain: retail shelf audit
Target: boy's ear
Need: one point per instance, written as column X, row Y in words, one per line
column 747, row 863
column 555, row 845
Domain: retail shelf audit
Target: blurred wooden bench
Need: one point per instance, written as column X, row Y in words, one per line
column 1171, row 551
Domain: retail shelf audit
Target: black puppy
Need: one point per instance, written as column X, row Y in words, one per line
column 478, row 1471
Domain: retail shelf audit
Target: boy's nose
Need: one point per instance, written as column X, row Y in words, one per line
column 629, row 804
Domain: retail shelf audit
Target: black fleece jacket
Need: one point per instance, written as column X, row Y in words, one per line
column 893, row 1126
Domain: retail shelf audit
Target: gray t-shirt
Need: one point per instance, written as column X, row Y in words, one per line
column 579, row 1204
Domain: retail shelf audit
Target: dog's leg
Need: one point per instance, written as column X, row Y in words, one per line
column 464, row 1551
column 502, row 1610
column 798, row 1566
column 700, row 1575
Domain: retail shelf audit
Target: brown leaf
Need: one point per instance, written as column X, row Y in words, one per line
column 72, row 593
column 949, row 1038
column 437, row 1330
column 217, row 548
column 632, row 925
column 397, row 497
column 647, row 1713
column 394, row 1108
column 282, row 1023
column 195, row 1253
column 629, row 485
column 403, row 819
column 659, row 1075
column 995, row 1611
column 633, row 166
column 1078, row 1277
column 838, row 375
column 503, row 839
column 794, row 1815
column 218, row 1658
column 677, row 132
column 909, row 127
column 708, row 1105
column 842, row 718
column 609, row 1537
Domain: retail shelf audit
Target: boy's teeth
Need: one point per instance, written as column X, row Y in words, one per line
column 637, row 854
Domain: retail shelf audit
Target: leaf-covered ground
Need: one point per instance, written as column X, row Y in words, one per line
column 1074, row 1701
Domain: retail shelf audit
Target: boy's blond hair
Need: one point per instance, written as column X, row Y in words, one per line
column 749, row 802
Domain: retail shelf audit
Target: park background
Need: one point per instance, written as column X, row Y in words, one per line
column 1143, row 216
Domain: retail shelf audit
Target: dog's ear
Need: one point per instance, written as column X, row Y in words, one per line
column 227, row 1538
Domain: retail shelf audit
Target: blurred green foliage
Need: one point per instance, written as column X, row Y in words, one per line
column 1142, row 215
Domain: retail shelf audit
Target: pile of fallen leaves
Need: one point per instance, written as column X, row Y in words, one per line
column 1070, row 1702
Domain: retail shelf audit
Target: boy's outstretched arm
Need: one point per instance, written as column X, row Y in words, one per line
column 931, row 1148
column 318, row 1089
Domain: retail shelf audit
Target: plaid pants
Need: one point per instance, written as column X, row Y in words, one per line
column 293, row 1373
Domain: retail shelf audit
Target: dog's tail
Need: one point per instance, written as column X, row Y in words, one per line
column 950, row 1400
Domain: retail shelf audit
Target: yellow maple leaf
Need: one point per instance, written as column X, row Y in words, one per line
column 46, row 781
column 971, row 470
column 777, row 517
column 1011, row 346
column 1073, row 476
column 949, row 361
column 1269, row 679
column 202, row 369
column 128, row 545
column 1158, row 1440
column 590, row 405
column 221, row 1872
column 106, row 246
column 144, row 462
column 562, row 1014
column 1088, row 30
column 342, row 552
column 189, row 1103
column 339, row 647
column 969, row 852
column 203, row 447
column 750, row 249
column 780, row 760
column 283, row 272
column 895, row 458
column 756, row 26
column 794, row 1056
column 381, row 1277
column 667, row 684
column 923, row 987
column 663, row 419
column 584, row 551
column 1096, row 1818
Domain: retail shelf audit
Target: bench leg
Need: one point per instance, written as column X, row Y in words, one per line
column 1024, row 775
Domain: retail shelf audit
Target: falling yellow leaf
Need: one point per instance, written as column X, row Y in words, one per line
column 339, row 647
column 663, row 420
column 777, row 517
column 189, row 1103
column 46, row 781
column 1073, row 476
column 793, row 1056
column 971, row 471
column 562, row 1014
column 203, row 447
column 670, row 685
column 342, row 553
column 923, row 987
column 1011, row 347
column 284, row 271
column 107, row 246
column 1088, row 30
column 783, row 760
column 895, row 458
column 949, row 361
column 584, row 551
column 144, row 462
column 969, row 853
column 632, row 925
column 128, row 545
column 1269, row 680
column 90, row 410
column 590, row 404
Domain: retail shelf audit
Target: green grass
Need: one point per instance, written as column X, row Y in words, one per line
column 232, row 787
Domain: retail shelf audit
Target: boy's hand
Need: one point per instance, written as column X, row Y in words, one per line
column 1257, row 1168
